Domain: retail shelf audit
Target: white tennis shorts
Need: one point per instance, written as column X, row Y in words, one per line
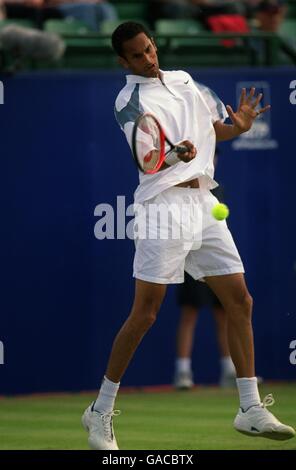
column 175, row 231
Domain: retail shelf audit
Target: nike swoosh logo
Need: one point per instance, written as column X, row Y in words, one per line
column 254, row 429
column 185, row 83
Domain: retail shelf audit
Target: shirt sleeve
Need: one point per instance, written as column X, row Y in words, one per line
column 127, row 109
column 215, row 105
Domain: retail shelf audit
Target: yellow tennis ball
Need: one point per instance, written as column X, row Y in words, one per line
column 220, row 211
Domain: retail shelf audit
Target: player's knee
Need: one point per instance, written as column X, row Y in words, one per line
column 249, row 302
column 145, row 321
column 145, row 313
column 242, row 305
column 150, row 318
column 150, row 310
column 247, row 307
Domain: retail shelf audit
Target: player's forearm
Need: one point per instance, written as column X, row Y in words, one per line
column 226, row 131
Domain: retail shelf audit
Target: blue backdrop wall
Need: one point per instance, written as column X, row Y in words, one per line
column 65, row 293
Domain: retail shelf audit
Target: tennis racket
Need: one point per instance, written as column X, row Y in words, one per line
column 150, row 145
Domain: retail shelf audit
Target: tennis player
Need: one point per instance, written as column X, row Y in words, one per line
column 195, row 116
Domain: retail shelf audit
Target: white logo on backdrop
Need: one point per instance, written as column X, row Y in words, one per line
column 1, row 93
column 293, row 93
column 1, row 353
column 259, row 136
column 293, row 353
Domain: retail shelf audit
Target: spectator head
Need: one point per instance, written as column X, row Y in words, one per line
column 270, row 14
column 2, row 10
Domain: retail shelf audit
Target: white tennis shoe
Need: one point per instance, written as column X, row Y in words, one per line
column 183, row 380
column 100, row 428
column 258, row 421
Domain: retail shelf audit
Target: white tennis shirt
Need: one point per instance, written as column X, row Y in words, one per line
column 186, row 110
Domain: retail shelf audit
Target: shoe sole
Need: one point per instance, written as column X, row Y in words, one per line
column 276, row 436
column 183, row 387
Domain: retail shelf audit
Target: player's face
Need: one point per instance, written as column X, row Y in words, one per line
column 140, row 56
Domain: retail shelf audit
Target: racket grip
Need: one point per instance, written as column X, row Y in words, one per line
column 181, row 149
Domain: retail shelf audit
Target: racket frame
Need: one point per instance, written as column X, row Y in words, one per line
column 163, row 140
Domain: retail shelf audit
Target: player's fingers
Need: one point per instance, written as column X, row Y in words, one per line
column 249, row 111
column 251, row 94
column 193, row 152
column 257, row 101
column 189, row 155
column 242, row 97
column 231, row 113
column 187, row 144
column 263, row 110
column 191, row 149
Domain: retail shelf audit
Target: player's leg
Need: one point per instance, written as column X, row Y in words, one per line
column 228, row 372
column 221, row 325
column 159, row 260
column 185, row 333
column 97, row 418
column 188, row 300
column 218, row 262
column 148, row 299
column 232, row 292
column 183, row 378
column 253, row 417
column 227, row 369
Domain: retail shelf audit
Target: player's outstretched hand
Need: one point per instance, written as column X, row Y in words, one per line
column 246, row 113
column 187, row 156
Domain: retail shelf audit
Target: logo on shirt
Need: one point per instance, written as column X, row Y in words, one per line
column 259, row 136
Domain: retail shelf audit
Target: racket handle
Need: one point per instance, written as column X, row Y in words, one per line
column 181, row 149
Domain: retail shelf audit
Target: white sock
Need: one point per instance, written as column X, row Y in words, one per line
column 227, row 366
column 248, row 392
column 106, row 398
column 183, row 364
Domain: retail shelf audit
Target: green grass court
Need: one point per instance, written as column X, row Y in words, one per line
column 198, row 419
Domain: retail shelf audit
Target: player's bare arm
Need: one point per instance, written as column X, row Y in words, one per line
column 243, row 118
